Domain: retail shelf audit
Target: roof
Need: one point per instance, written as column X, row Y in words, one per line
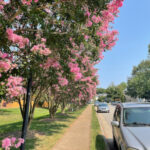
column 135, row 104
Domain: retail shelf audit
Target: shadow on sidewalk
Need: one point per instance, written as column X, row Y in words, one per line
column 100, row 144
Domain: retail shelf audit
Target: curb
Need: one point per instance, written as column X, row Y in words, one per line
column 106, row 144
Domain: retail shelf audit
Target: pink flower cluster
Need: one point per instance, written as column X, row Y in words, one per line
column 28, row 2
column 51, row 62
column 15, row 86
column 114, row 5
column 96, row 19
column 76, row 70
column 41, row 49
column 89, row 23
column 62, row 81
column 2, row 4
column 5, row 64
column 107, row 38
column 17, row 39
column 87, row 79
column 11, row 142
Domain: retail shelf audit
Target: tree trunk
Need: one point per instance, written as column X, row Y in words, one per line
column 63, row 107
column 25, row 118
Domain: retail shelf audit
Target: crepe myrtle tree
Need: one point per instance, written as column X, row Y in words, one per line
column 36, row 35
column 34, row 32
column 81, row 74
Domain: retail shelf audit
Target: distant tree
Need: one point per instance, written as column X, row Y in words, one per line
column 115, row 93
column 101, row 98
column 139, row 83
column 122, row 86
column 100, row 90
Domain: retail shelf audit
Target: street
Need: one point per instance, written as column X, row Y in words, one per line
column 105, row 123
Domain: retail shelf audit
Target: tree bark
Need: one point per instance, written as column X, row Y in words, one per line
column 25, row 118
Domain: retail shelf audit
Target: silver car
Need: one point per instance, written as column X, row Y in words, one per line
column 131, row 126
column 103, row 107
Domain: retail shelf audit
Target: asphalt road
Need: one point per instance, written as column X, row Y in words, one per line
column 105, row 123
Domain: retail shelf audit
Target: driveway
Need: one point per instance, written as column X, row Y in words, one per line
column 105, row 123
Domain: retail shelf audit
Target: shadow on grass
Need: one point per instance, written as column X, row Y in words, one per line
column 5, row 112
column 41, row 125
column 99, row 143
column 47, row 126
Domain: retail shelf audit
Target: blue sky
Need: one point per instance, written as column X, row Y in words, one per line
column 133, row 25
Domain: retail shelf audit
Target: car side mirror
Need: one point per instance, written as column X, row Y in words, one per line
column 115, row 123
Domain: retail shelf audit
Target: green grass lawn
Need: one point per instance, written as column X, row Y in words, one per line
column 43, row 133
column 97, row 140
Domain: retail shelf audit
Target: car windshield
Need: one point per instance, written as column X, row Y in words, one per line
column 136, row 116
column 103, row 105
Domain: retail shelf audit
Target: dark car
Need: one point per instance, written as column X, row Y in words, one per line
column 131, row 126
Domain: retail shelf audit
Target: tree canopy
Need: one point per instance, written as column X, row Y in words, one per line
column 57, row 44
column 139, row 82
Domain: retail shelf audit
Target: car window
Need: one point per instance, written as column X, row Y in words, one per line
column 136, row 116
column 103, row 105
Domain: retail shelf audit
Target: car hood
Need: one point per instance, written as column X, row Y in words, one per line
column 142, row 135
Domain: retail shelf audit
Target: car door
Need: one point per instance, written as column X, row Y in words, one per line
column 116, row 130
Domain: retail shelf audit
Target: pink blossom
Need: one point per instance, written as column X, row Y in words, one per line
column 101, row 56
column 28, row 2
column 2, row 83
column 10, row 142
column 78, row 76
column 17, row 39
column 5, row 65
column 89, row 23
column 1, row 7
column 86, row 37
column 20, row 141
column 96, row 19
column 6, row 143
column 41, row 49
column 62, row 81
column 13, row 140
column 43, row 40
column 70, row 39
column 87, row 13
column 15, row 86
column 3, row 55
column 51, row 62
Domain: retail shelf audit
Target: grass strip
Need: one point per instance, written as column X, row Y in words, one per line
column 43, row 133
column 97, row 140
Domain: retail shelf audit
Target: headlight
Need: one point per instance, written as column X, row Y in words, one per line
column 131, row 148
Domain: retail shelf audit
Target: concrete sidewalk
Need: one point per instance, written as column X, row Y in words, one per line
column 77, row 136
